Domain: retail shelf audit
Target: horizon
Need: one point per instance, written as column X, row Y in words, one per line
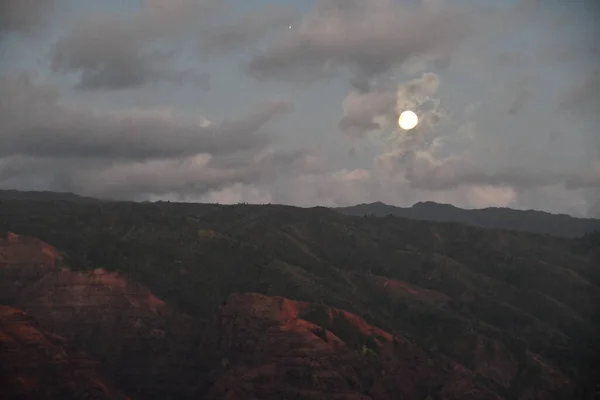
column 304, row 207
column 297, row 103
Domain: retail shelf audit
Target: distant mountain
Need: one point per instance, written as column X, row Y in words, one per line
column 46, row 196
column 494, row 218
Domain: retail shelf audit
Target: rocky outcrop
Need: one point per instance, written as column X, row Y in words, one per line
column 255, row 347
column 140, row 340
column 23, row 261
column 38, row 365
column 273, row 348
column 144, row 345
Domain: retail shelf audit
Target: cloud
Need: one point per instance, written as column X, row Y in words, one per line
column 485, row 114
column 238, row 193
column 23, row 16
column 594, row 211
column 353, row 186
column 425, row 172
column 378, row 107
column 484, row 196
column 584, row 97
column 131, row 153
column 246, row 30
column 36, row 124
column 187, row 176
column 112, row 51
column 362, row 109
column 369, row 38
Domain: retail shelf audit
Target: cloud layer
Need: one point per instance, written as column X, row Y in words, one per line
column 23, row 16
column 367, row 38
column 131, row 152
column 112, row 51
column 496, row 126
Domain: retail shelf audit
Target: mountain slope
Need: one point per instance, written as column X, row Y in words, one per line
column 494, row 218
column 40, row 365
column 46, row 196
column 276, row 346
column 516, row 310
column 256, row 346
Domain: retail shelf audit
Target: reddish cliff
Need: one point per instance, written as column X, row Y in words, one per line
column 270, row 349
column 38, row 365
column 255, row 347
column 23, row 260
column 141, row 341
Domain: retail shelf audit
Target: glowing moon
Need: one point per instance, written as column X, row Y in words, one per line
column 408, row 120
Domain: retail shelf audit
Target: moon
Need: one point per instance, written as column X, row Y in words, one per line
column 408, row 120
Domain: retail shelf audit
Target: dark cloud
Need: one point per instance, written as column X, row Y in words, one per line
column 361, row 109
column 23, row 16
column 584, row 97
column 196, row 175
column 594, row 211
column 367, row 37
column 117, row 52
column 36, row 124
column 120, row 52
column 132, row 152
column 583, row 100
column 136, row 72
column 247, row 30
column 520, row 101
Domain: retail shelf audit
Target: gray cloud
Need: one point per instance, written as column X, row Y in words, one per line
column 116, row 52
column 23, row 16
column 470, row 155
column 197, row 175
column 362, row 108
column 112, row 52
column 423, row 172
column 36, row 124
column 367, row 37
column 585, row 96
column 583, row 100
column 247, row 30
column 379, row 106
column 132, row 152
column 594, row 211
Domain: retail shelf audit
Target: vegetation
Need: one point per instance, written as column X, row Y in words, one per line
column 526, row 291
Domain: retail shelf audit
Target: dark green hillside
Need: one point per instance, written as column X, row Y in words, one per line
column 445, row 286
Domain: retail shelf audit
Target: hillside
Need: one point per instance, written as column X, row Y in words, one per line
column 45, row 196
column 494, row 218
column 40, row 365
column 280, row 302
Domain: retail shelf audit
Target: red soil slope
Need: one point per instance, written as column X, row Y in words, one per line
column 271, row 351
column 257, row 347
column 37, row 365
column 23, row 260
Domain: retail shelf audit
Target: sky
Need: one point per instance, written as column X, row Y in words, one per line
column 297, row 102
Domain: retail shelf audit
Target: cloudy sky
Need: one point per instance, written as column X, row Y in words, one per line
column 297, row 101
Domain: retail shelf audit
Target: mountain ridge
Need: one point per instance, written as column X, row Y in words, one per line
column 534, row 221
